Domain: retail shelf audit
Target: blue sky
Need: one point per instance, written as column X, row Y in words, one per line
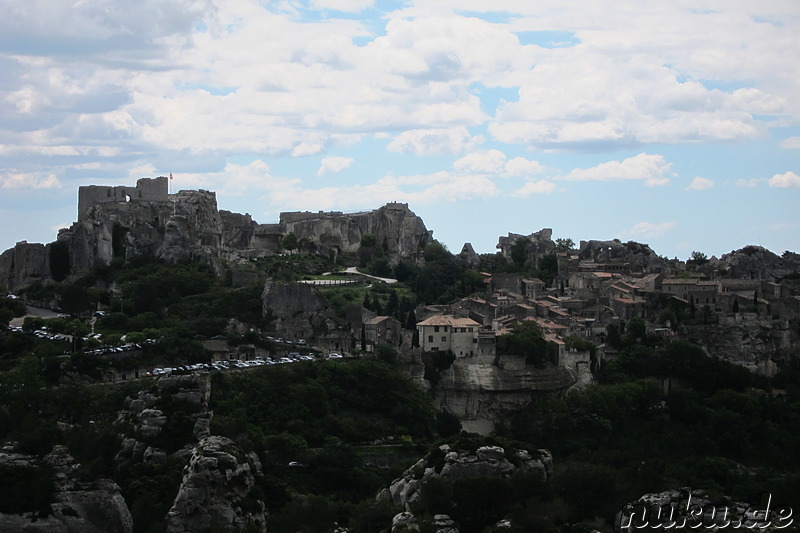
column 676, row 124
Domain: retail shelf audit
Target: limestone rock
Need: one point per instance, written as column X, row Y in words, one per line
column 299, row 310
column 151, row 421
column 78, row 506
column 486, row 461
column 404, row 522
column 537, row 245
column 478, row 392
column 444, row 524
column 24, row 264
column 215, row 485
column 395, row 226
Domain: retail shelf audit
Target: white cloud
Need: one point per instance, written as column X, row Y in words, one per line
column 332, row 165
column 32, row 180
column 752, row 182
column 536, row 187
column 650, row 230
column 700, row 184
column 519, row 166
column 787, row 179
column 434, row 141
column 791, row 143
column 650, row 168
column 349, row 6
column 485, row 161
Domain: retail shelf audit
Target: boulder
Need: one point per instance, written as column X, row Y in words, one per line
column 486, row 461
column 214, row 491
column 77, row 506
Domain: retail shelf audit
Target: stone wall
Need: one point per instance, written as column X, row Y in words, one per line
column 146, row 190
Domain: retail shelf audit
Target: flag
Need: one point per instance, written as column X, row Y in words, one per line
column 170, row 175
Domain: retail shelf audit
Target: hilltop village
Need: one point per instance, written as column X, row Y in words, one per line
column 743, row 307
column 381, row 343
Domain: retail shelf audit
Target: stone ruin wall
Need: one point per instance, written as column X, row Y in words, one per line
column 146, row 190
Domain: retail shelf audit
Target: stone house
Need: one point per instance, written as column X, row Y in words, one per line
column 447, row 332
column 383, row 330
column 532, row 288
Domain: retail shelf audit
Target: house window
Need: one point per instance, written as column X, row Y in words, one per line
column 430, row 338
column 436, row 329
column 474, row 341
column 444, row 339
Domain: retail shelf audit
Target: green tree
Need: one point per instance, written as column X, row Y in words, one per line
column 519, row 253
column 698, row 258
column 394, row 303
column 74, row 298
column 386, row 353
column 526, row 338
column 59, row 260
column 411, row 320
column 289, row 242
column 564, row 245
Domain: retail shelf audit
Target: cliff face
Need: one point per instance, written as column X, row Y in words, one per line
column 86, row 506
column 750, row 341
column 395, row 227
column 537, row 245
column 24, row 264
column 216, row 481
column 454, row 465
column 188, row 226
column 478, row 391
column 298, row 309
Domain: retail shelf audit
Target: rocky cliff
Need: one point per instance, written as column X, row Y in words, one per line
column 188, row 226
column 24, row 264
column 454, row 465
column 478, row 391
column 640, row 257
column 537, row 245
column 395, row 226
column 298, row 309
column 214, row 490
column 755, row 342
column 753, row 262
column 78, row 506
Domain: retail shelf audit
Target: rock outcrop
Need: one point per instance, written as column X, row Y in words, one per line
column 452, row 465
column 298, row 309
column 215, row 488
column 77, row 506
column 637, row 256
column 396, row 228
column 478, row 390
column 128, row 222
column 754, row 262
column 745, row 339
column 24, row 264
column 537, row 245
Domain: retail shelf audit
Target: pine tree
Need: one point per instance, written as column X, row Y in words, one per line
column 394, row 303
column 411, row 320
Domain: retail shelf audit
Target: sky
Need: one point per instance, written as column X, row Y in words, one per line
column 675, row 124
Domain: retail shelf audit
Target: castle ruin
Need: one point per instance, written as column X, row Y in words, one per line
column 146, row 190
